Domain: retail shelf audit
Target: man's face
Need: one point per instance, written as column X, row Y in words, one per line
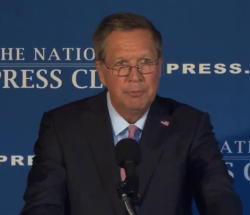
column 135, row 91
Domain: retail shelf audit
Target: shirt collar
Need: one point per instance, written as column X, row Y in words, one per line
column 118, row 122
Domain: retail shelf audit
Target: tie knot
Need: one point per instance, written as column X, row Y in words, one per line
column 131, row 131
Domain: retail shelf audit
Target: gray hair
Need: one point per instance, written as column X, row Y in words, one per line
column 122, row 22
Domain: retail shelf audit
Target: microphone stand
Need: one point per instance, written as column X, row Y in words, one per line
column 128, row 192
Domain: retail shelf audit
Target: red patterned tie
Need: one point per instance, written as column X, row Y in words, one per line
column 131, row 134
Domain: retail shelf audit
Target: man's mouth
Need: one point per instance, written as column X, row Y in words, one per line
column 135, row 94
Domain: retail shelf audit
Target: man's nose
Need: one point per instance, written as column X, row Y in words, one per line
column 135, row 75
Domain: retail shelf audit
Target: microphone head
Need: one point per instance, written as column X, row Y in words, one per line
column 127, row 149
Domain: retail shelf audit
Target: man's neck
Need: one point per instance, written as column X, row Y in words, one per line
column 131, row 116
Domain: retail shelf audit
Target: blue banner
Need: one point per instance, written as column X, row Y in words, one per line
column 47, row 59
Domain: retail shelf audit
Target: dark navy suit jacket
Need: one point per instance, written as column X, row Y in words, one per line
column 74, row 170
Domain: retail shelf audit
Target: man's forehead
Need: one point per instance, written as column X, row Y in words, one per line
column 116, row 49
column 130, row 56
column 129, row 39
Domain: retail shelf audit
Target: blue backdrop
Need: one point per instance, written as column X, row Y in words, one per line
column 47, row 59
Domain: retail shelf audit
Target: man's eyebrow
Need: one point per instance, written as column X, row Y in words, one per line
column 119, row 58
column 148, row 55
column 116, row 59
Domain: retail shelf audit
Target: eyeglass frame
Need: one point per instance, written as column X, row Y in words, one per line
column 130, row 68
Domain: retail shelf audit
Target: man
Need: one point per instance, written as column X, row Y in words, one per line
column 74, row 169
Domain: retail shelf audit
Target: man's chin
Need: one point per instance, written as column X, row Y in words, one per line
column 136, row 107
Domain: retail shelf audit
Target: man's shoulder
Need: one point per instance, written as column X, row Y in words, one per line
column 180, row 109
column 175, row 107
column 71, row 108
column 185, row 116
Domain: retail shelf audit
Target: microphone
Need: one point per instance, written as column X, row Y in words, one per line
column 127, row 154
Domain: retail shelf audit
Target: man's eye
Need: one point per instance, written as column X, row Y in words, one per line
column 120, row 63
column 145, row 60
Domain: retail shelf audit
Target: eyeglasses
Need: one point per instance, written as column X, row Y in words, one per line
column 124, row 70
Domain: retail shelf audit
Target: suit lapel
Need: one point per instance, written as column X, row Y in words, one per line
column 98, row 130
column 151, row 142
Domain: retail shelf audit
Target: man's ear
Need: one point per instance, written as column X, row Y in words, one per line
column 100, row 70
column 161, row 59
column 160, row 63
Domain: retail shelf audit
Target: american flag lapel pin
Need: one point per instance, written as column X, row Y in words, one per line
column 165, row 122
